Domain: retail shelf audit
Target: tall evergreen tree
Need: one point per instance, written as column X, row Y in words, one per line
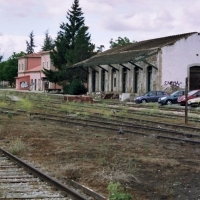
column 1, row 57
column 72, row 45
column 30, row 45
column 48, row 42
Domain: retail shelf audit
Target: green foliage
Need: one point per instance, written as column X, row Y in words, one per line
column 72, row 45
column 1, row 57
column 9, row 68
column 30, row 45
column 75, row 88
column 17, row 146
column 116, row 192
column 119, row 42
column 48, row 42
column 24, row 104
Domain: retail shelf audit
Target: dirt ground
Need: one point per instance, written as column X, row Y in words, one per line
column 146, row 167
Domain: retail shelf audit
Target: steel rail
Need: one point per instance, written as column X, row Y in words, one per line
column 45, row 177
column 127, row 131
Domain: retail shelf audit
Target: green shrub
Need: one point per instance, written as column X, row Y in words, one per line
column 116, row 192
column 24, row 104
column 74, row 88
column 17, row 146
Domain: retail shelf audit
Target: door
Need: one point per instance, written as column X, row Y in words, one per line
column 136, row 74
column 124, row 75
column 149, row 78
column 103, row 78
column 93, row 81
column 194, row 79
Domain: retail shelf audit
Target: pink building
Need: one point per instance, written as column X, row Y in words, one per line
column 30, row 75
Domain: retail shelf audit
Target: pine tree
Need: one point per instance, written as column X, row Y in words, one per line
column 30, row 44
column 48, row 42
column 1, row 57
column 72, row 45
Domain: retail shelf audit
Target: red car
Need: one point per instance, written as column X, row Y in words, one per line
column 191, row 95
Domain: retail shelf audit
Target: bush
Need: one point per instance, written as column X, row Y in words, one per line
column 74, row 88
column 17, row 146
column 116, row 192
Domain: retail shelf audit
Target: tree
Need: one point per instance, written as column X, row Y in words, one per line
column 2, row 64
column 1, row 57
column 9, row 68
column 48, row 42
column 100, row 48
column 72, row 45
column 119, row 42
column 30, row 44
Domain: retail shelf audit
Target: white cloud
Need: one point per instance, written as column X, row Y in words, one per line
column 135, row 19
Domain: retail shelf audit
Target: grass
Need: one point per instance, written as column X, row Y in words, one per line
column 24, row 104
column 17, row 146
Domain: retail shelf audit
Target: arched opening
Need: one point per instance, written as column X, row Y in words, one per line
column 136, row 75
column 113, row 79
column 194, row 79
column 124, row 75
column 149, row 78
column 103, row 78
column 93, row 81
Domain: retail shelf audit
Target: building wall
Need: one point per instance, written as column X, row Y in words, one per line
column 173, row 64
column 30, row 71
column 176, row 60
column 21, row 65
column 46, row 61
column 142, row 77
column 33, row 62
column 23, row 83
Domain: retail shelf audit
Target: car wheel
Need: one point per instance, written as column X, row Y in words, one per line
column 169, row 102
column 144, row 101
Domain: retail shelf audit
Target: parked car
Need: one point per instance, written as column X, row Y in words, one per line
column 151, row 96
column 172, row 98
column 191, row 95
column 194, row 102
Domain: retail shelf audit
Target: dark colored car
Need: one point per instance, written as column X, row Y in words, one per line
column 172, row 98
column 191, row 95
column 151, row 96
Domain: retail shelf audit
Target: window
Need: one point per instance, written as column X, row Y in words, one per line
column 19, row 66
column 153, row 93
column 160, row 93
column 47, row 65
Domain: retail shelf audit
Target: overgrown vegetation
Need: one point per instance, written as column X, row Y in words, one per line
column 116, row 192
column 17, row 146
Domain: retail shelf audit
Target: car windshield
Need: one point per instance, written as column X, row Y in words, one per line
column 174, row 93
column 148, row 94
column 192, row 92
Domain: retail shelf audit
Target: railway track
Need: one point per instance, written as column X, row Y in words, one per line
column 20, row 180
column 164, row 131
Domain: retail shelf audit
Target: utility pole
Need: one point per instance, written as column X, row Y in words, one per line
column 186, row 99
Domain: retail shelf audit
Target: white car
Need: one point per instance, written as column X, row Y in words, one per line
column 194, row 102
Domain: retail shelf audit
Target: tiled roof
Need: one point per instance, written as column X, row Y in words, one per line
column 33, row 55
column 132, row 51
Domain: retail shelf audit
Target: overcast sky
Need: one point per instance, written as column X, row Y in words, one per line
column 136, row 19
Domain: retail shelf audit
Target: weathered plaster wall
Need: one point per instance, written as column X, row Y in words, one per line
column 142, row 77
column 176, row 60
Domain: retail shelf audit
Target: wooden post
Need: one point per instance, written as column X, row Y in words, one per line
column 186, row 99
